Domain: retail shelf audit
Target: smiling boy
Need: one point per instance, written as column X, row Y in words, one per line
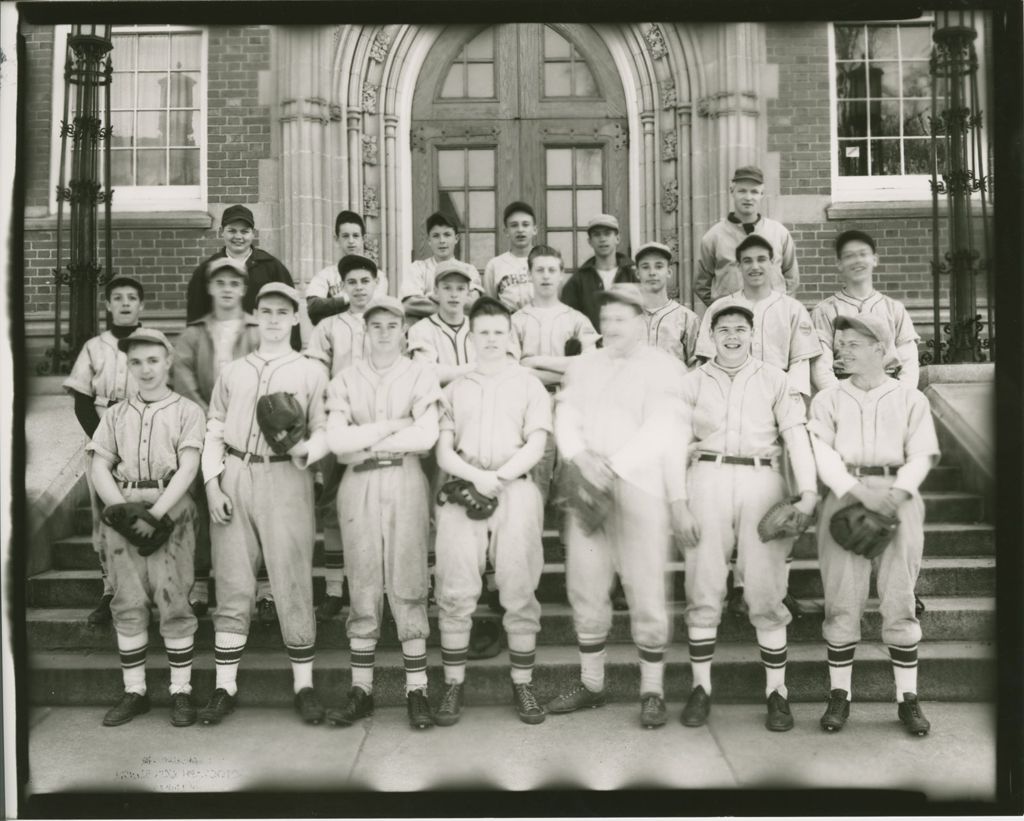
column 443, row 238
column 325, row 293
column 670, row 326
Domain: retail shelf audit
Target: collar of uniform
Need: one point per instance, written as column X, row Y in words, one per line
column 668, row 306
column 743, row 299
column 451, row 330
column 714, row 369
column 887, row 386
column 140, row 404
column 256, row 359
column 857, row 303
column 400, row 366
column 511, row 369
column 737, row 221
column 355, row 320
column 208, row 320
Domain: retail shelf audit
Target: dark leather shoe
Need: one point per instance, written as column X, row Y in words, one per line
column 183, row 710
column 698, row 705
column 266, row 611
column 527, row 707
column 220, row 705
column 652, row 710
column 735, row 604
column 911, row 716
column 837, row 711
column 792, row 605
column 308, row 706
column 330, row 607
column 130, row 705
column 450, row 710
column 919, row 607
column 420, row 715
column 101, row 615
column 359, row 705
column 779, row 718
column 575, row 698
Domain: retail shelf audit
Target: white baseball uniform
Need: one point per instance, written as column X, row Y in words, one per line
column 327, row 282
column 271, row 495
column 674, row 328
column 418, row 279
column 890, row 426
column 900, row 325
column 507, row 278
column 433, row 341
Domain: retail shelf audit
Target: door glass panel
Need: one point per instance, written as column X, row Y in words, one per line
column 481, row 209
column 559, row 209
column 565, row 71
column 454, row 85
column 574, row 197
column 583, row 249
column 471, row 74
column 481, row 249
column 557, row 80
column 555, row 45
column 471, row 198
column 481, row 80
column 589, row 203
column 585, row 85
column 481, row 168
column 559, row 166
column 451, row 170
column 481, row 47
column 588, row 166
column 454, row 202
column 562, row 241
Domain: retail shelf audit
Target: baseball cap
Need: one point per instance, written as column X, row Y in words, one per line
column 749, row 172
column 219, row 263
column 873, row 326
column 653, row 248
column 417, row 307
column 603, row 221
column 354, row 262
column 625, row 293
column 385, row 303
column 280, row 288
column 732, row 308
column 147, row 335
column 852, row 236
column 123, row 282
column 237, row 213
column 452, row 268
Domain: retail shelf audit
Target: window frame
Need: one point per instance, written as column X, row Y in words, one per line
column 881, row 188
column 136, row 198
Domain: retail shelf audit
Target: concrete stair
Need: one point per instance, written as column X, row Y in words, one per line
column 73, row 663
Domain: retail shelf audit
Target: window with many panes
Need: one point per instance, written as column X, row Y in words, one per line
column 566, row 73
column 466, row 185
column 574, row 191
column 471, row 75
column 158, row 114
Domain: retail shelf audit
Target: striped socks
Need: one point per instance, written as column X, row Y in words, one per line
column 414, row 657
column 772, row 644
column 334, row 562
column 179, row 657
column 904, row 668
column 522, row 654
column 227, row 652
column 132, row 650
column 840, row 667
column 454, row 649
column 652, row 670
column 592, row 659
column 702, row 649
column 301, row 658
column 362, row 653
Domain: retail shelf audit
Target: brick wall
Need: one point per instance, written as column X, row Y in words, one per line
column 37, row 90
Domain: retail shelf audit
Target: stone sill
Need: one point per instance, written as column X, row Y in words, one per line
column 156, row 220
column 892, row 209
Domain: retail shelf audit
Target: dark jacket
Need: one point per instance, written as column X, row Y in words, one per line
column 192, row 372
column 580, row 292
column 262, row 267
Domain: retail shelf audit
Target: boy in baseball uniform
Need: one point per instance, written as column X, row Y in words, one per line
column 670, row 326
column 442, row 340
column 337, row 342
column 494, row 427
column 383, row 416
column 507, row 276
column 443, row 239
column 718, row 272
column 99, row 379
column 738, row 408
column 200, row 351
column 325, row 293
column 261, row 502
column 607, row 267
column 857, row 260
column 618, row 417
column 146, row 449
column 874, row 442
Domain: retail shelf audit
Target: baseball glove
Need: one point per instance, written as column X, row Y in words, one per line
column 862, row 531
column 121, row 517
column 783, row 520
column 589, row 501
column 461, row 492
column 282, row 421
column 573, row 346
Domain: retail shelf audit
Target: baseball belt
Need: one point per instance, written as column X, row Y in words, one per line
column 377, row 464
column 146, row 484
column 254, row 457
column 873, row 470
column 722, row 459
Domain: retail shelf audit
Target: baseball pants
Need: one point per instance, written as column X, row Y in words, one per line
column 384, row 516
column 327, row 510
column 511, row 540
column 162, row 578
column 846, row 576
column 203, row 560
column 728, row 501
column 96, row 508
column 272, row 519
column 633, row 542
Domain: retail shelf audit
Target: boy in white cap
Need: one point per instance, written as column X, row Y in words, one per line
column 146, row 449
column 441, row 340
column 607, row 267
column 718, row 270
column 874, row 442
column 507, row 276
column 325, row 293
column 670, row 326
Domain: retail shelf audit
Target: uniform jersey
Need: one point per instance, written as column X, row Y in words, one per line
column 507, row 278
column 101, row 371
column 823, row 317
column 327, row 283
column 338, row 341
column 674, row 329
column 418, row 279
column 782, row 336
column 544, row 331
column 434, row 341
column 741, row 415
column 143, row 440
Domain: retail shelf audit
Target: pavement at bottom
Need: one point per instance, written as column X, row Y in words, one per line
column 595, row 749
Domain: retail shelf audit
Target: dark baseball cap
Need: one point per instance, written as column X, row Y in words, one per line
column 356, row 262
column 732, row 308
column 749, row 172
column 237, row 213
column 220, row 263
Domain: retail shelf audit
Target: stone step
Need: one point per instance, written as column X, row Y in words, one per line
column 939, row 576
column 950, row 671
column 941, row 539
column 945, row 619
